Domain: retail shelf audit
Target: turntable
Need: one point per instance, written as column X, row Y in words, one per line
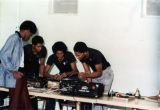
column 76, row 87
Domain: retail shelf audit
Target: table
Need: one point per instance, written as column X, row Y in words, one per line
column 135, row 103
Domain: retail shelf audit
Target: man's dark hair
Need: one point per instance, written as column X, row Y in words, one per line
column 37, row 39
column 59, row 46
column 80, row 47
column 28, row 25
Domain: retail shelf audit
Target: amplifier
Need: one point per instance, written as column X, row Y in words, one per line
column 80, row 88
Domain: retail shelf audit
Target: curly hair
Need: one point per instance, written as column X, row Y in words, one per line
column 37, row 39
column 80, row 47
column 59, row 46
column 29, row 25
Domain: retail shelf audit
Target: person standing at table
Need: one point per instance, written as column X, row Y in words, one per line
column 34, row 58
column 12, row 73
column 65, row 62
column 102, row 72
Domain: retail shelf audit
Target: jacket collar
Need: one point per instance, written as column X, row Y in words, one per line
column 18, row 34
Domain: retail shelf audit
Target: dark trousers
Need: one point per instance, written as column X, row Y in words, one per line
column 34, row 103
column 19, row 96
column 86, row 106
column 50, row 104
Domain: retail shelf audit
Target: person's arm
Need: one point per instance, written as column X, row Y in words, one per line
column 46, row 71
column 96, row 74
column 47, row 68
column 74, row 71
column 42, row 67
column 17, row 74
column 42, row 61
column 88, row 74
column 81, row 75
column 7, row 52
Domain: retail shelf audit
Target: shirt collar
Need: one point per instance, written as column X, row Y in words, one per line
column 18, row 34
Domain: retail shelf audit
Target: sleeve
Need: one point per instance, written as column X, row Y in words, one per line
column 71, row 58
column 97, row 58
column 43, row 52
column 50, row 60
column 7, row 53
column 82, row 61
column 25, row 49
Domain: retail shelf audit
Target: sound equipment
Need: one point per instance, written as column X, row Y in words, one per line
column 79, row 88
column 39, row 82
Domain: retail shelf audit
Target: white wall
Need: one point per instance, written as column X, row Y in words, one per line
column 9, row 17
column 118, row 28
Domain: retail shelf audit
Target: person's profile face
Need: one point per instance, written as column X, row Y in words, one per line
column 60, row 55
column 37, row 47
column 79, row 55
column 27, row 35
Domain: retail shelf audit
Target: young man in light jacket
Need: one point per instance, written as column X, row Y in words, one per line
column 12, row 67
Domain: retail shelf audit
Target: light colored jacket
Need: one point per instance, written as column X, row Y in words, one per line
column 10, row 56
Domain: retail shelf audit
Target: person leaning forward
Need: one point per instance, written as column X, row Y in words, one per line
column 34, row 58
column 12, row 67
column 102, row 72
column 65, row 61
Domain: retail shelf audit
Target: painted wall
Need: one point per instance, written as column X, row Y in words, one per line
column 118, row 28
